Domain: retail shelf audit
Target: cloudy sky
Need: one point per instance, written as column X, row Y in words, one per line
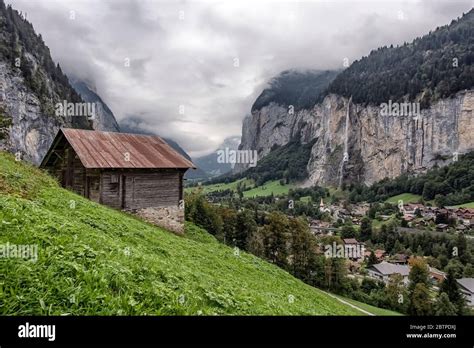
column 190, row 70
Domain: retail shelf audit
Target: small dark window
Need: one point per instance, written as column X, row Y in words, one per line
column 114, row 179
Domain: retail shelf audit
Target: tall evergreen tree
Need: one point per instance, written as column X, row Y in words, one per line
column 450, row 287
column 418, row 274
column 444, row 307
column 372, row 259
column 275, row 234
column 365, row 229
column 420, row 301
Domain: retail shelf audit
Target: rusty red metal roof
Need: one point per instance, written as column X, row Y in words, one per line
column 121, row 150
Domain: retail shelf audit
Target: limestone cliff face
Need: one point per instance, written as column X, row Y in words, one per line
column 377, row 146
column 31, row 132
column 31, row 87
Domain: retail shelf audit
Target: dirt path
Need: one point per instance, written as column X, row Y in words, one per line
column 350, row 304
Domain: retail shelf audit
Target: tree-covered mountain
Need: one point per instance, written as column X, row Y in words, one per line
column 301, row 89
column 430, row 68
column 435, row 70
column 449, row 185
column 31, row 85
column 286, row 162
column 27, row 54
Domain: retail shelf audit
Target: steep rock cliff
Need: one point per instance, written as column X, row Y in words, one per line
column 378, row 146
column 31, row 131
column 31, row 86
column 357, row 141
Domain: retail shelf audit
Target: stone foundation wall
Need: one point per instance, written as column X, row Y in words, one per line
column 170, row 218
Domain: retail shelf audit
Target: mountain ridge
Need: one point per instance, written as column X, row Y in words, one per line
column 378, row 145
column 31, row 86
column 209, row 165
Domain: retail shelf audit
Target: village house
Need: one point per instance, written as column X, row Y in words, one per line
column 410, row 211
column 361, row 209
column 319, row 227
column 137, row 173
column 400, row 259
column 466, row 286
column 436, row 276
column 384, row 271
column 379, row 254
column 464, row 216
column 442, row 227
column 358, row 248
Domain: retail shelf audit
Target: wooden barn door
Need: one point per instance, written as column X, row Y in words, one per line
column 68, row 172
column 128, row 191
column 123, row 191
column 93, row 188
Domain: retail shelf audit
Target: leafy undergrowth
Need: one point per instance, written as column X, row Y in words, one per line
column 93, row 260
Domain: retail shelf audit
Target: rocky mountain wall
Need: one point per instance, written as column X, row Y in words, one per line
column 379, row 146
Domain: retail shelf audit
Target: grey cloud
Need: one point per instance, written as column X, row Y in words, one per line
column 190, row 61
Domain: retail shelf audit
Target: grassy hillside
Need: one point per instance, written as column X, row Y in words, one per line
column 93, row 260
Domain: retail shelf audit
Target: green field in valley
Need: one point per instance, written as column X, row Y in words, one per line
column 465, row 205
column 264, row 190
column 405, row 197
column 220, row 187
column 270, row 187
column 93, row 260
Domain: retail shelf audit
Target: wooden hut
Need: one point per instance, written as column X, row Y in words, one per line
column 123, row 171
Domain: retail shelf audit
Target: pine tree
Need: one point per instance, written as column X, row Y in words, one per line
column 365, row 229
column 245, row 227
column 303, row 246
column 444, row 306
column 396, row 293
column 450, row 287
column 336, row 271
column 420, row 301
column 276, row 238
column 372, row 259
column 418, row 274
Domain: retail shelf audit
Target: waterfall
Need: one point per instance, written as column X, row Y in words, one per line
column 345, row 155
